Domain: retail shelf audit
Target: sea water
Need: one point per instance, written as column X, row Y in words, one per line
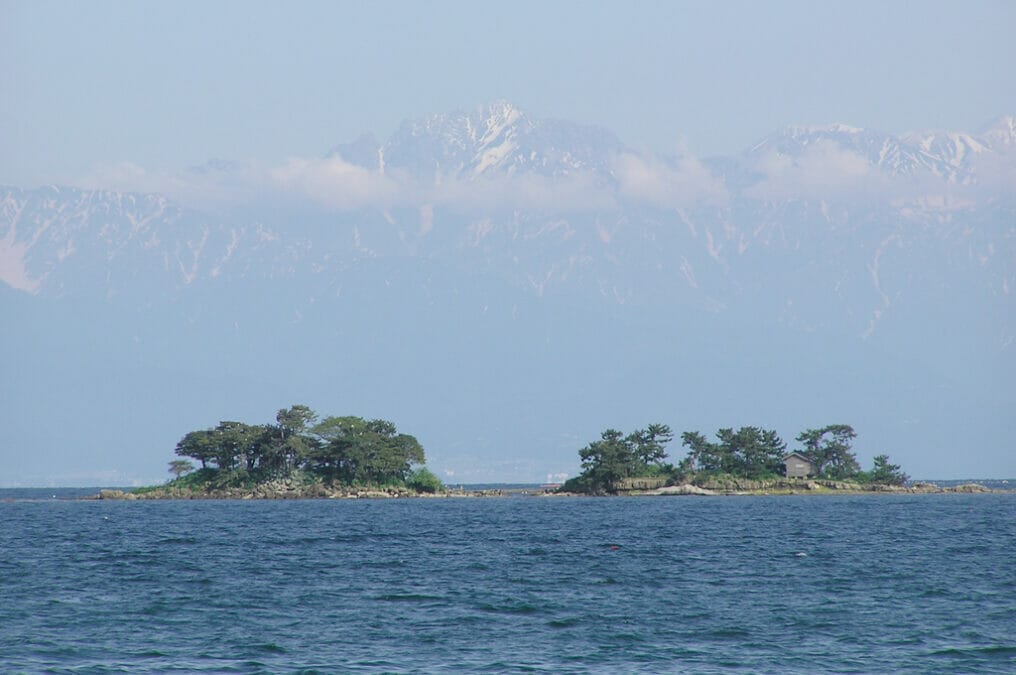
column 918, row 583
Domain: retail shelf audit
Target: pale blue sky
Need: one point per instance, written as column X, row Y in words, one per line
column 167, row 85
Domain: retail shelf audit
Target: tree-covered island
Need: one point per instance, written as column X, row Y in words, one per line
column 300, row 455
column 746, row 459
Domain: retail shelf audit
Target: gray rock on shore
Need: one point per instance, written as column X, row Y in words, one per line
column 685, row 489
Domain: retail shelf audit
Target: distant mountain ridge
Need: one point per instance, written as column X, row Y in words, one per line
column 502, row 138
column 498, row 138
column 945, row 154
column 821, row 197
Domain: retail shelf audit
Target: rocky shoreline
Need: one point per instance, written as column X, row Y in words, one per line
column 712, row 488
column 728, row 487
column 733, row 487
column 284, row 489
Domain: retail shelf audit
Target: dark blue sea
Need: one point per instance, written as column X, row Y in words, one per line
column 915, row 583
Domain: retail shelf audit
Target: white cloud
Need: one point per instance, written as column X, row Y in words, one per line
column 196, row 188
column 824, row 170
column 337, row 185
column 124, row 176
column 668, row 186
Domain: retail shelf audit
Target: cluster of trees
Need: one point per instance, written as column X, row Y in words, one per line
column 615, row 457
column 885, row 473
column 829, row 451
column 749, row 452
column 348, row 450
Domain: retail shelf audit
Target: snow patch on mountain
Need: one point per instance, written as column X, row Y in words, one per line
column 13, row 271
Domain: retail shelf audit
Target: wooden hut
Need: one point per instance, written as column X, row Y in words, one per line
column 798, row 466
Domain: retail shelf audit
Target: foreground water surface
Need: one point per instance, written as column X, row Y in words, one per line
column 793, row 584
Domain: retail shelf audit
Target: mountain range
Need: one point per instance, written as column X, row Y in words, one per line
column 506, row 287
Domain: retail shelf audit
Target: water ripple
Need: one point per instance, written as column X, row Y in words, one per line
column 858, row 584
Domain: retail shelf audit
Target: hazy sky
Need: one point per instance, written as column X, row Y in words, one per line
column 172, row 84
column 910, row 314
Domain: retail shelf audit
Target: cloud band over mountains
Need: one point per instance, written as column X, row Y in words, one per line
column 498, row 159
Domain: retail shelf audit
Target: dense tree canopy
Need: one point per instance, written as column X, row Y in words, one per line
column 886, row 473
column 749, row 452
column 829, row 450
column 353, row 449
column 345, row 449
column 614, row 457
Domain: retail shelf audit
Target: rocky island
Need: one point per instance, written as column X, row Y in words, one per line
column 303, row 457
column 748, row 461
column 300, row 456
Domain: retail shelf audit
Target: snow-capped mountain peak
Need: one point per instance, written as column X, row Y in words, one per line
column 792, row 140
column 498, row 138
column 834, row 128
column 945, row 154
column 1000, row 135
column 952, row 147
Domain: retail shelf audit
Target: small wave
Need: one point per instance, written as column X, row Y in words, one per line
column 379, row 564
column 505, row 666
column 935, row 593
column 993, row 652
column 409, row 597
column 515, row 608
column 155, row 609
column 269, row 648
column 309, row 540
column 96, row 668
column 525, row 581
column 564, row 623
column 351, row 538
column 371, row 664
column 728, row 634
column 246, row 666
